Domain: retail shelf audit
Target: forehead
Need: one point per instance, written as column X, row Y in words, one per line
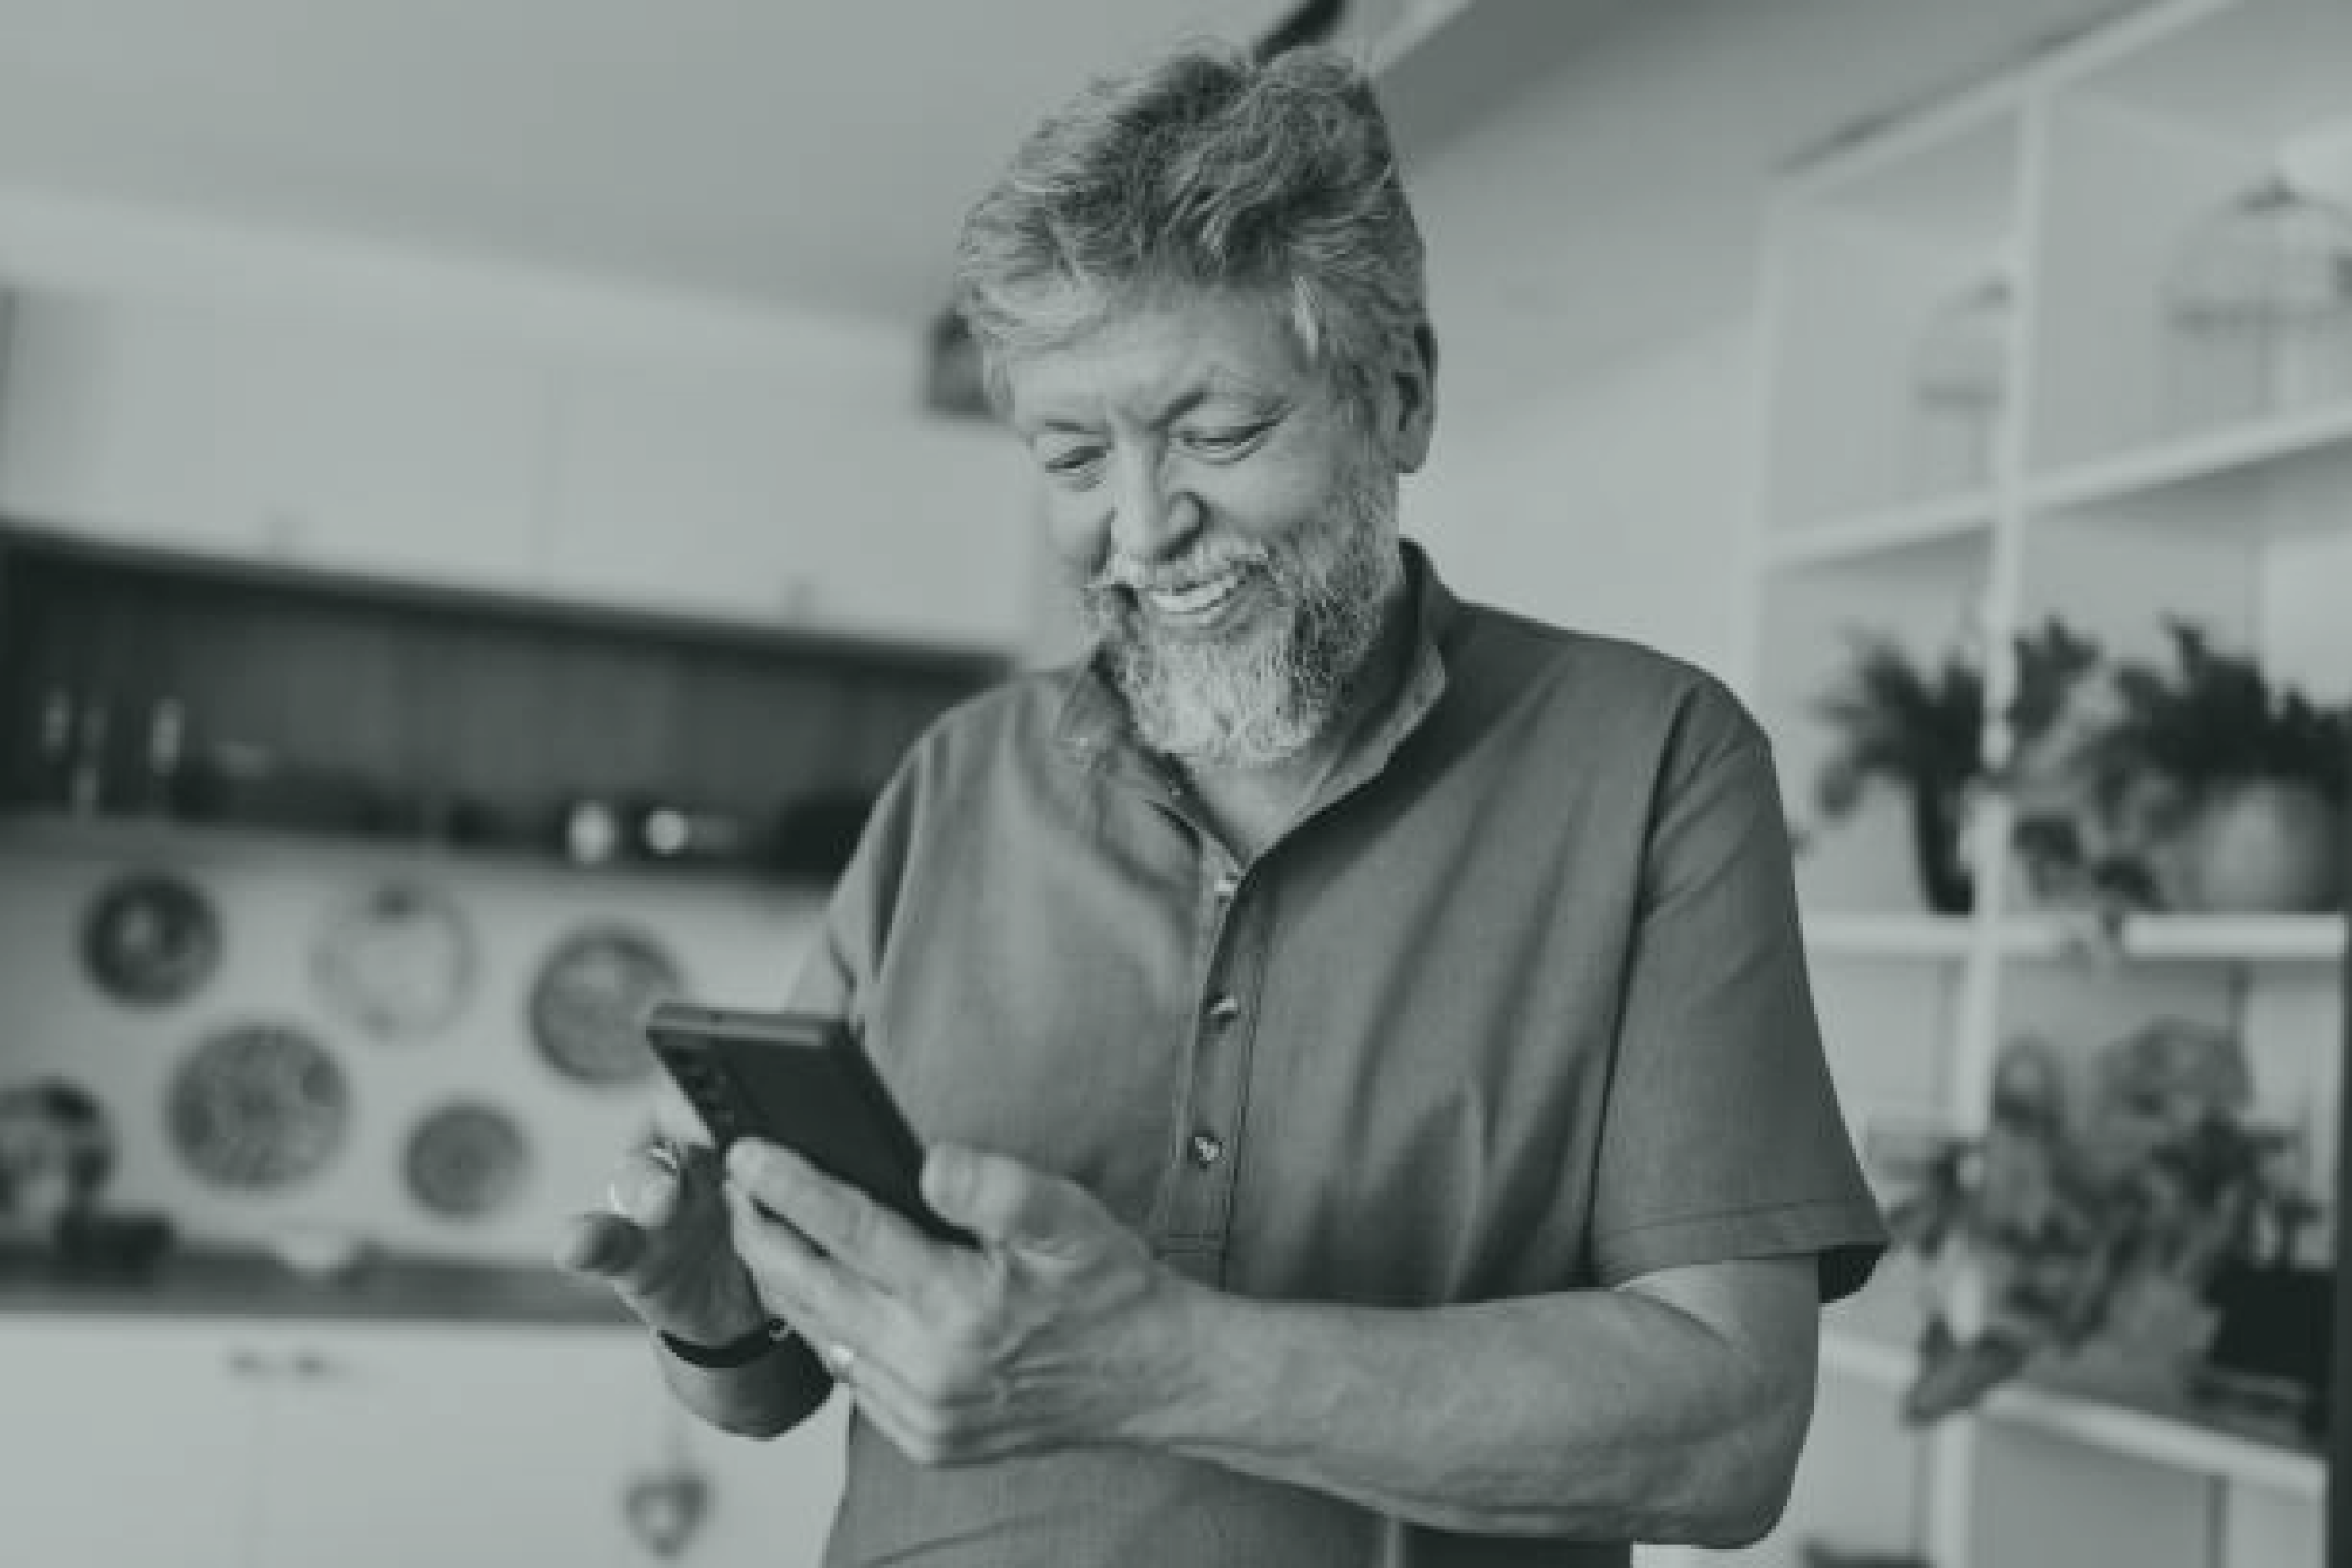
column 1155, row 358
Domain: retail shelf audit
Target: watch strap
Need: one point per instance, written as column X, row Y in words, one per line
column 740, row 1351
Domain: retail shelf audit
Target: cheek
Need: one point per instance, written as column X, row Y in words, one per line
column 1078, row 529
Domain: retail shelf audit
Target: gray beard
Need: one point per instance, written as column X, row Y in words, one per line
column 1264, row 695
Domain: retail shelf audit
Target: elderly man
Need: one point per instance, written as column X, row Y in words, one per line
column 1367, row 1033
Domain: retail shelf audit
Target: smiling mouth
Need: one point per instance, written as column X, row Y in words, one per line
column 1197, row 600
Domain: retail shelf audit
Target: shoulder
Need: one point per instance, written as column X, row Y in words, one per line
column 993, row 737
column 1600, row 696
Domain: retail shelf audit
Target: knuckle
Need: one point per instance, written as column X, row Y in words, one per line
column 951, row 1436
column 924, row 1441
column 852, row 1220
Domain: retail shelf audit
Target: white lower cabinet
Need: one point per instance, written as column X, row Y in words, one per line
column 224, row 1444
column 125, row 1443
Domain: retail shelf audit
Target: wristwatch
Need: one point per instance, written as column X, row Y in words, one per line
column 741, row 1350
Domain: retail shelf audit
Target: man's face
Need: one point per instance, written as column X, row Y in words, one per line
column 1229, row 527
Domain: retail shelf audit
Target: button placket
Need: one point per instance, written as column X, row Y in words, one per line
column 1201, row 1187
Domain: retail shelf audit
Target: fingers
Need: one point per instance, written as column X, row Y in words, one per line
column 599, row 1246
column 851, row 1230
column 796, row 1280
column 927, row 1426
column 650, row 1182
column 649, row 1190
column 1002, row 1200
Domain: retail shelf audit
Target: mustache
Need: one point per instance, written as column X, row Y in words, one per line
column 1203, row 562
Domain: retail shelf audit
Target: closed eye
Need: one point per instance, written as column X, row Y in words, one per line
column 1227, row 441
column 1073, row 466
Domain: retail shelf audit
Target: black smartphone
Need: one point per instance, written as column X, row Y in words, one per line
column 802, row 1081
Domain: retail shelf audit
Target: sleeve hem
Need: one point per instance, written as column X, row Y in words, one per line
column 1845, row 1236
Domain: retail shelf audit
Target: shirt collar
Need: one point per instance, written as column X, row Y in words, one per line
column 1093, row 726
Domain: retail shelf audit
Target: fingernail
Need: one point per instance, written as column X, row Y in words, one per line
column 747, row 1159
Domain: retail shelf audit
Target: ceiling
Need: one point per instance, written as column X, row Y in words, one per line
column 815, row 153
column 1591, row 173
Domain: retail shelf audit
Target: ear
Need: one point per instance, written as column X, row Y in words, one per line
column 1412, row 410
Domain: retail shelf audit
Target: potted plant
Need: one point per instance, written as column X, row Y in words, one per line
column 2093, row 1217
column 2231, row 785
column 1922, row 731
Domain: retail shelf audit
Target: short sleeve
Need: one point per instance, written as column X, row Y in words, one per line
column 836, row 977
column 1723, row 1137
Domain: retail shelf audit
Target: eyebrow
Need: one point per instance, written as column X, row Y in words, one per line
column 1219, row 384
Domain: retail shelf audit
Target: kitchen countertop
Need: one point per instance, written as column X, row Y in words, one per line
column 199, row 1284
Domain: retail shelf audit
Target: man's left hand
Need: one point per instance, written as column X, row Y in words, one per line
column 1058, row 1328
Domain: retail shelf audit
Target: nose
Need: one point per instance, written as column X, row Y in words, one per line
column 1151, row 518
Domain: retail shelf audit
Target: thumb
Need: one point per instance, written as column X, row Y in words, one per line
column 1000, row 1199
column 599, row 1246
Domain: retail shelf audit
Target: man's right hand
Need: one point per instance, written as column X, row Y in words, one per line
column 663, row 1245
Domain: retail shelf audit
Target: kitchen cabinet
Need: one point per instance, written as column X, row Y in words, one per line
column 220, row 1444
column 752, row 494
column 1978, row 414
column 388, row 1447
column 811, row 496
column 351, row 704
column 286, row 438
column 771, row 1501
column 126, row 1443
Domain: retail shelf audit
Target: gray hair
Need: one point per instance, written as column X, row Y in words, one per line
column 1205, row 169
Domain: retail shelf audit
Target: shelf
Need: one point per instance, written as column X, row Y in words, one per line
column 2276, row 939
column 2236, row 451
column 1886, row 1367
column 37, row 832
column 2180, row 938
column 2113, row 1428
column 1939, row 520
column 1848, row 933
column 2160, row 1439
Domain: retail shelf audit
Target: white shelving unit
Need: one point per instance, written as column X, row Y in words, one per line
column 2157, row 1438
column 1973, row 419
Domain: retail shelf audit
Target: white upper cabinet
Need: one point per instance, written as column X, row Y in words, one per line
column 281, row 437
column 769, row 495
column 792, row 489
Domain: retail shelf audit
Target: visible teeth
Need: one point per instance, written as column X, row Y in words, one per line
column 1195, row 598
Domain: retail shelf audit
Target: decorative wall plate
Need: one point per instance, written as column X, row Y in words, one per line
column 591, row 993
column 467, row 1159
column 400, row 960
column 150, row 938
column 258, row 1106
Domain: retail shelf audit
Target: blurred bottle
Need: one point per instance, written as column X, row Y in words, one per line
column 167, row 746
column 1959, row 383
column 49, row 781
column 591, row 831
column 667, row 831
column 86, row 777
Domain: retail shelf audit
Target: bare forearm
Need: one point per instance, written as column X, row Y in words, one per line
column 1596, row 1415
column 765, row 1399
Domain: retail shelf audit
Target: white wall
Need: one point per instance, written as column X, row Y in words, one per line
column 1618, row 504
column 735, row 944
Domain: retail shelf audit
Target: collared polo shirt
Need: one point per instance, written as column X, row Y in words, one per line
column 1518, row 1005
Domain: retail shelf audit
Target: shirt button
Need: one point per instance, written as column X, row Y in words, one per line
column 1207, row 1149
column 1227, row 885
column 1225, row 1010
